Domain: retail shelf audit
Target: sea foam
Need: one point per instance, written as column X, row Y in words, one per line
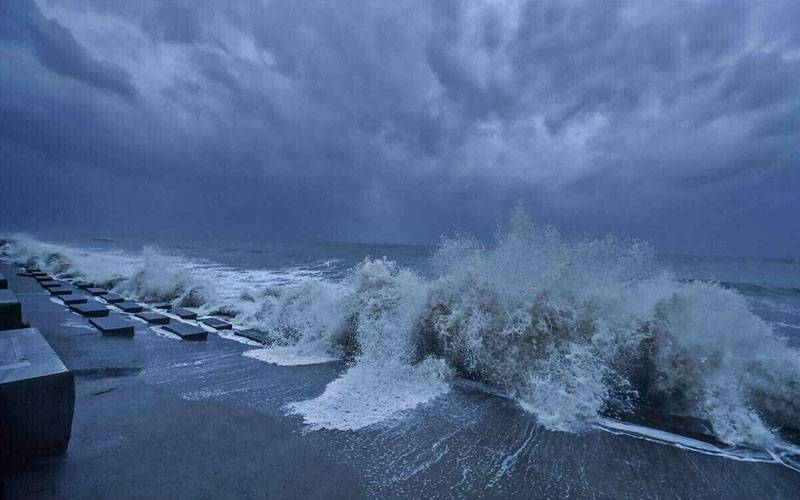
column 574, row 331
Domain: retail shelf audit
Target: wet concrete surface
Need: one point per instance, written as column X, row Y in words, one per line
column 132, row 438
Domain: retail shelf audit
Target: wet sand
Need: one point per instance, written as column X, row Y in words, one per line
column 160, row 417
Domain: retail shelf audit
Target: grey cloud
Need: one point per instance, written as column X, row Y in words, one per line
column 57, row 49
column 783, row 123
column 401, row 121
column 762, row 79
column 174, row 21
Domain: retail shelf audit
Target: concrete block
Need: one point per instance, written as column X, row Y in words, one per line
column 113, row 298
column 25, row 274
column 41, row 276
column 90, row 309
column 187, row 331
column 183, row 313
column 33, row 269
column 113, row 325
column 37, row 399
column 216, row 323
column 254, row 335
column 62, row 290
column 73, row 299
column 51, row 284
column 84, row 284
column 3, row 282
column 97, row 292
column 10, row 311
column 130, row 307
column 166, row 306
column 154, row 318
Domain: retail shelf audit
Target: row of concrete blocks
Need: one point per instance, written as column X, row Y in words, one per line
column 37, row 392
column 100, row 319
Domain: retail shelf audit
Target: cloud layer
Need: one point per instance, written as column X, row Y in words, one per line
column 400, row 121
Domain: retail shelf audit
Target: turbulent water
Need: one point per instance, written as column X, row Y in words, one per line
column 573, row 331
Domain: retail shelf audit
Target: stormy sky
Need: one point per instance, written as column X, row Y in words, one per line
column 678, row 123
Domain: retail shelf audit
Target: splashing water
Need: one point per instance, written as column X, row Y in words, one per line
column 572, row 330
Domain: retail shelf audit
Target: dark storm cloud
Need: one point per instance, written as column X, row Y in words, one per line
column 174, row 22
column 54, row 46
column 675, row 122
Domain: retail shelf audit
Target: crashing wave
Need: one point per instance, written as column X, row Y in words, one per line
column 572, row 331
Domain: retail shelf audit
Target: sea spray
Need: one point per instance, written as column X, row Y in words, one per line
column 305, row 314
column 164, row 278
column 575, row 330
column 571, row 330
column 715, row 360
column 542, row 319
column 384, row 304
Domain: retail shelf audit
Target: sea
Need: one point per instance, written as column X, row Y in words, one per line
column 699, row 352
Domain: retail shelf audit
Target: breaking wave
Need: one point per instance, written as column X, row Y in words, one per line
column 574, row 332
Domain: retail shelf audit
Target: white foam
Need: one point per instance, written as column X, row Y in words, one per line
column 84, row 326
column 231, row 335
column 781, row 454
column 56, row 301
column 289, row 356
column 367, row 394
